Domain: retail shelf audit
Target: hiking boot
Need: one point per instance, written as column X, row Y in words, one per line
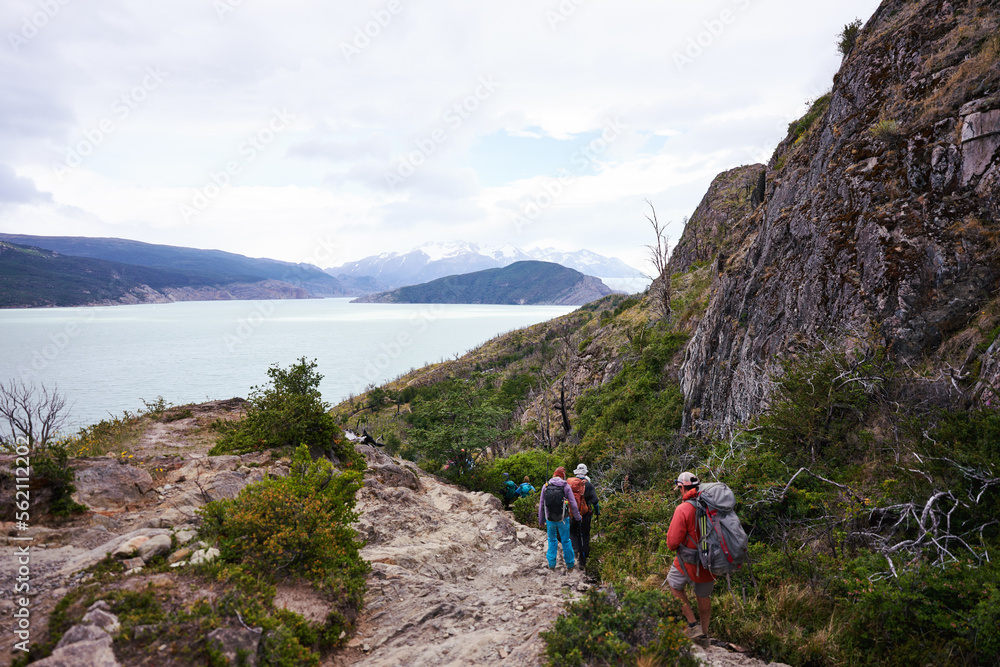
column 570, row 568
column 694, row 630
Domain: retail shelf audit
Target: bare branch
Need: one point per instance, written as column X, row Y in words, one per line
column 32, row 411
column 660, row 289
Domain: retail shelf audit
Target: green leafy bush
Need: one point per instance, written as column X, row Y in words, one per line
column 50, row 466
column 816, row 111
column 848, row 37
column 288, row 413
column 932, row 615
column 452, row 422
column 605, row 629
column 298, row 525
column 631, row 529
column 821, row 400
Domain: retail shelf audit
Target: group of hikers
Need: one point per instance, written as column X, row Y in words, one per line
column 567, row 508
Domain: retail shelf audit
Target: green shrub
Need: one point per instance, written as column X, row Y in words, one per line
column 886, row 130
column 605, row 629
column 297, row 525
column 942, row 615
column 820, row 401
column 50, row 466
column 287, row 414
column 816, row 111
column 454, row 421
column 115, row 435
column 848, row 37
column 630, row 532
column 639, row 404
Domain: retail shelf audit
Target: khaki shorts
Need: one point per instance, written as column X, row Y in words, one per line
column 678, row 580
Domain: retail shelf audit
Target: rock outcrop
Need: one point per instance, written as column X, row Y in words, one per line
column 878, row 226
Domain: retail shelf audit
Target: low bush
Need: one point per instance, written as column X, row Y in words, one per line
column 848, row 37
column 629, row 533
column 604, row 628
column 51, row 469
column 299, row 525
column 287, row 414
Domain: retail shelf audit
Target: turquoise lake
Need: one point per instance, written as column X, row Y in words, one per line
column 106, row 360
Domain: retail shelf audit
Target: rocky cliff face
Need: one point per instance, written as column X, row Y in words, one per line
column 263, row 290
column 879, row 220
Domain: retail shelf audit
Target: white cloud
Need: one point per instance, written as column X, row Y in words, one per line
column 558, row 74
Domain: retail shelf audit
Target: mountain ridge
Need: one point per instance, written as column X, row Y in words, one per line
column 521, row 283
column 430, row 261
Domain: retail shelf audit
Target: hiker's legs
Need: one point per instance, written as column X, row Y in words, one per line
column 704, row 612
column 678, row 582
column 681, row 595
column 574, row 537
column 584, row 550
column 567, row 545
column 552, row 530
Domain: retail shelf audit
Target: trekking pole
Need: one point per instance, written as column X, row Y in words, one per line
column 729, row 582
column 752, row 578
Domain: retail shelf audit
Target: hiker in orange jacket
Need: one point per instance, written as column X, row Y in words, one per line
column 683, row 531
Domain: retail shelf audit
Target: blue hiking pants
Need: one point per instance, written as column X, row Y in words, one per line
column 558, row 532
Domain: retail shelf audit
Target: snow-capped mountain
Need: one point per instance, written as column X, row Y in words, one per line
column 437, row 260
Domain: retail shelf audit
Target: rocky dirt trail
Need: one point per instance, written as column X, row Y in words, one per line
column 455, row 581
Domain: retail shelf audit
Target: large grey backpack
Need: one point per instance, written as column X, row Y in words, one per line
column 722, row 548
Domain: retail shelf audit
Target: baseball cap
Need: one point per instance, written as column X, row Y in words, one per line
column 687, row 479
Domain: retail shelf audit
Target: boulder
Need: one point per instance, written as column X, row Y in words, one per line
column 98, row 554
column 980, row 142
column 107, row 484
column 393, row 475
column 184, row 536
column 129, row 548
column 178, row 555
column 104, row 620
column 133, row 563
column 82, row 654
column 233, row 643
column 159, row 545
column 224, row 485
column 83, row 633
column 204, row 556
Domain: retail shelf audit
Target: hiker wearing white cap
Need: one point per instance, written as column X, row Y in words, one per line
column 683, row 530
column 586, row 500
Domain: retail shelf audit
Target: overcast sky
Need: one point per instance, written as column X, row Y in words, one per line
column 328, row 131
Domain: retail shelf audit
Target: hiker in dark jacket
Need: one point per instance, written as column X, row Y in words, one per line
column 556, row 519
column 579, row 531
column 508, row 490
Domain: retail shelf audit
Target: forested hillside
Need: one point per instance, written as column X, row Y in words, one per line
column 521, row 283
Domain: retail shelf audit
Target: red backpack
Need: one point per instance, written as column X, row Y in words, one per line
column 579, row 486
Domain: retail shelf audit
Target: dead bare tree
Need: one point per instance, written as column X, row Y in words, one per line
column 659, row 255
column 31, row 411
